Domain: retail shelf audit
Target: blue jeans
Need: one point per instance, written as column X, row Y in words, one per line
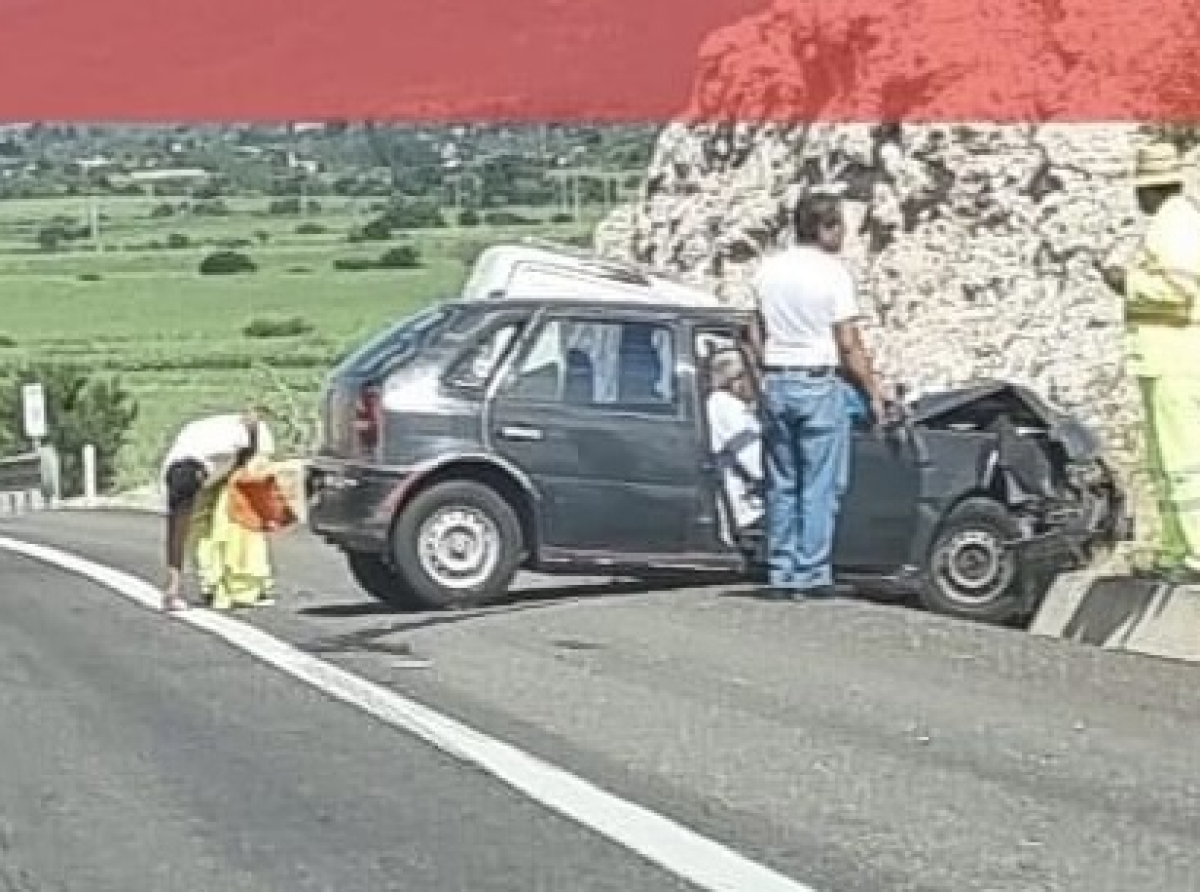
column 806, row 445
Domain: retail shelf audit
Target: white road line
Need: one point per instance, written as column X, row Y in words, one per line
column 681, row 851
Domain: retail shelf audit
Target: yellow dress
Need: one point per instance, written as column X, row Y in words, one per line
column 231, row 544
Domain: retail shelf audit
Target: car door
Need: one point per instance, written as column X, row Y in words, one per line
column 878, row 516
column 879, row 512
column 591, row 411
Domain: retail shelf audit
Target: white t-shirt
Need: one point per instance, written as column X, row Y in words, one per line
column 803, row 292
column 215, row 442
column 736, row 434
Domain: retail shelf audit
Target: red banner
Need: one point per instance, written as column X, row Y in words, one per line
column 598, row 60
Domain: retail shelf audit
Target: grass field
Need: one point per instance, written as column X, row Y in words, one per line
column 144, row 313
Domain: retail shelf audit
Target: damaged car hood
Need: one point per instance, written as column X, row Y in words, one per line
column 982, row 402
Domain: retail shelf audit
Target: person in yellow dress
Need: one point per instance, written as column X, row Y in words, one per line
column 231, row 527
column 1161, row 292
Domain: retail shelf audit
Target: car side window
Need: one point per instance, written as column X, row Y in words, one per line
column 475, row 367
column 622, row 366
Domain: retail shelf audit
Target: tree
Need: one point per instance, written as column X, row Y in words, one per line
column 81, row 409
column 400, row 257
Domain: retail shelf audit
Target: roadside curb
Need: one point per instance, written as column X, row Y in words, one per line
column 1109, row 609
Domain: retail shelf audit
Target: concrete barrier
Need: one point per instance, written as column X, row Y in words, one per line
column 28, row 482
column 1118, row 612
column 21, row 501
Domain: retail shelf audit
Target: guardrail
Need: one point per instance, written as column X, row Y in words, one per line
column 28, row 482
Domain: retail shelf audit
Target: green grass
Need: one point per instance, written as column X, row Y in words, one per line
column 176, row 338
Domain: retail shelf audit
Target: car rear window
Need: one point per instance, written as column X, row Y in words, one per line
column 400, row 341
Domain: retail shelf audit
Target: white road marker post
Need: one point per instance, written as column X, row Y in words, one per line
column 89, row 475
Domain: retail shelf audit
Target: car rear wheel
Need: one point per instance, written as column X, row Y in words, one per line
column 380, row 581
column 970, row 572
column 457, row 544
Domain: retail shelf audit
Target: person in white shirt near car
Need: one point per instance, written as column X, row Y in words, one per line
column 201, row 457
column 807, row 335
column 736, row 436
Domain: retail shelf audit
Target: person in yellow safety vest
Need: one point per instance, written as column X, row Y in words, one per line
column 1161, row 292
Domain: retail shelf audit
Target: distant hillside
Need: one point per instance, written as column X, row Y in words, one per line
column 486, row 166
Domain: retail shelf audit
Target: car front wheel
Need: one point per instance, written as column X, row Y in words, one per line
column 971, row 574
column 457, row 544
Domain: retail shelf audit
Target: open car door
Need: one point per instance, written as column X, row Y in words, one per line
column 736, row 486
column 879, row 511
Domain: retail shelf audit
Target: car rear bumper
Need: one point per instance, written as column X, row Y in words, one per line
column 349, row 504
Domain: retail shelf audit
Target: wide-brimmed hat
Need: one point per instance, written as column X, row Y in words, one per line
column 1158, row 164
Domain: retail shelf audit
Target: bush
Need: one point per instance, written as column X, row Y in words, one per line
column 90, row 277
column 162, row 210
column 51, row 236
column 562, row 217
column 413, row 215
column 400, row 257
column 81, row 408
column 468, row 217
column 274, row 327
column 224, row 263
column 177, row 241
column 311, row 229
column 353, row 264
column 377, row 230
column 7, row 340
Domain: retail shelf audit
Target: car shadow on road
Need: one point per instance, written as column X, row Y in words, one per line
column 373, row 639
column 517, row 599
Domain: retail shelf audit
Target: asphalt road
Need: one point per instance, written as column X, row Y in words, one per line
column 851, row 746
column 138, row 755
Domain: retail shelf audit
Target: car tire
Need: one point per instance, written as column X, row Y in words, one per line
column 458, row 544
column 968, row 573
column 380, row 581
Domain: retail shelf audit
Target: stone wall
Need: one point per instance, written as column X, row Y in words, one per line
column 974, row 244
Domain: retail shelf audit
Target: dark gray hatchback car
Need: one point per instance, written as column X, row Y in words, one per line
column 480, row 437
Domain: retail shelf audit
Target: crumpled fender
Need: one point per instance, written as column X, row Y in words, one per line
column 1078, row 440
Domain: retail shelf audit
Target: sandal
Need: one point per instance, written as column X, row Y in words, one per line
column 174, row 604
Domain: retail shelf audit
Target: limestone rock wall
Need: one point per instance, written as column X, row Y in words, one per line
column 973, row 243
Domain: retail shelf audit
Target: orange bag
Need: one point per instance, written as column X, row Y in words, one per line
column 257, row 502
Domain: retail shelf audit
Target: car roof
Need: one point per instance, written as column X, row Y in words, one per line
column 536, row 268
column 617, row 306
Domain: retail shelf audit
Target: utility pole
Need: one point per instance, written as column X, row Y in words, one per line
column 94, row 220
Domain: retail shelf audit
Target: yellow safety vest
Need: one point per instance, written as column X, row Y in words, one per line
column 1162, row 294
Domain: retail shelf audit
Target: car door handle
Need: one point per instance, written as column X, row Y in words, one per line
column 521, row 433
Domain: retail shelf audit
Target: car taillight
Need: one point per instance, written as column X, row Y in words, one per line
column 368, row 418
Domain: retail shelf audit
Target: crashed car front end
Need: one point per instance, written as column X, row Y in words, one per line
column 1045, row 465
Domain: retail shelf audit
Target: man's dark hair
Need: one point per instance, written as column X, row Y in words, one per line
column 812, row 214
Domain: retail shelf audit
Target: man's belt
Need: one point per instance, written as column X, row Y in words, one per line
column 811, row 371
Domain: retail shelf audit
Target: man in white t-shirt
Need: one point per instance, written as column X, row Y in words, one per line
column 736, row 437
column 807, row 335
column 203, row 454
